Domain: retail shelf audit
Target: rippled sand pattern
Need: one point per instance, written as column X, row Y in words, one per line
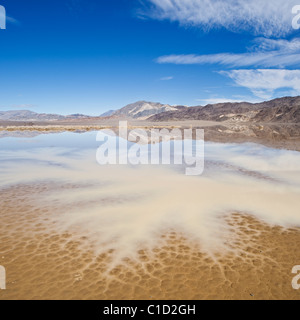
column 45, row 263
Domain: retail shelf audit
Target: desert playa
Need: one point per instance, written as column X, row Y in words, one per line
column 72, row 229
column 149, row 149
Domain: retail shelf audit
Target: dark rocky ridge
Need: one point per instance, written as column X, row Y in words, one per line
column 281, row 110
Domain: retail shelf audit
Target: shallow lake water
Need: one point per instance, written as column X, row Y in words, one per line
column 123, row 209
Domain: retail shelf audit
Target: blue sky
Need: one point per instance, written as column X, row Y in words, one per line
column 76, row 56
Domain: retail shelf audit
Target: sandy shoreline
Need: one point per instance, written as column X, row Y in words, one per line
column 279, row 136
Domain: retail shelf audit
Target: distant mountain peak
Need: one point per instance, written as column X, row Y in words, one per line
column 142, row 110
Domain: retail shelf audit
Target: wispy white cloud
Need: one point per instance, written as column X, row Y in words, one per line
column 260, row 17
column 166, row 78
column 4, row 18
column 264, row 82
column 225, row 100
column 265, row 53
column 12, row 20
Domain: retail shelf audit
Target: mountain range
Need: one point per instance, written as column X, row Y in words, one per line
column 27, row 115
column 139, row 110
column 281, row 110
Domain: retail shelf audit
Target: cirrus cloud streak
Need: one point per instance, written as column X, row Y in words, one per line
column 260, row 17
column 266, row 53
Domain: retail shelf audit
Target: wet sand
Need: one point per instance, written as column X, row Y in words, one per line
column 42, row 263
